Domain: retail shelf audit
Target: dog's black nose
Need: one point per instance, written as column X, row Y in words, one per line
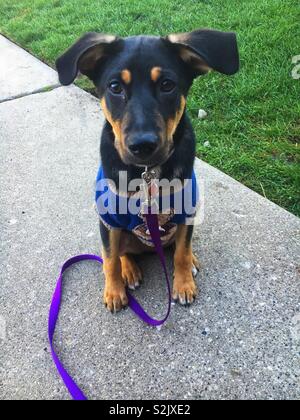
column 144, row 145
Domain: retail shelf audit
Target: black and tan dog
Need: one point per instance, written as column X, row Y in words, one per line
column 143, row 83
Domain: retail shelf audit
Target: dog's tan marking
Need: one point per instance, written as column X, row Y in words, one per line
column 155, row 74
column 131, row 273
column 115, row 297
column 179, row 38
column 172, row 123
column 184, row 289
column 126, row 76
column 117, row 126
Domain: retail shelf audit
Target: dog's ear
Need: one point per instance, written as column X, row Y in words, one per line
column 206, row 49
column 83, row 56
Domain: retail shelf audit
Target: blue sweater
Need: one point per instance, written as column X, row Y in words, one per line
column 124, row 212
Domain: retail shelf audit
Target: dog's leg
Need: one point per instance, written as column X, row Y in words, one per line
column 115, row 297
column 131, row 273
column 184, row 289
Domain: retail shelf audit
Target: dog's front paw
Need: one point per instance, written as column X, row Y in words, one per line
column 115, row 297
column 184, row 289
column 131, row 273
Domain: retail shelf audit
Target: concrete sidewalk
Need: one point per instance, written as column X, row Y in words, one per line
column 22, row 74
column 241, row 340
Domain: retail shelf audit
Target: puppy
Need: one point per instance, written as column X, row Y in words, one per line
column 143, row 83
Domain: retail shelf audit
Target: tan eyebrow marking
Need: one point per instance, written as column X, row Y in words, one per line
column 155, row 73
column 126, row 76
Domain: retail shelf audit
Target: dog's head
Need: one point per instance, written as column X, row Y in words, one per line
column 143, row 83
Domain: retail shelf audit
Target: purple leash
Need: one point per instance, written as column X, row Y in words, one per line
column 72, row 387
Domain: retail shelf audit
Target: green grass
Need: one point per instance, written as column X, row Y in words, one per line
column 253, row 128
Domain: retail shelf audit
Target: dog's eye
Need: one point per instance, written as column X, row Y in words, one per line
column 116, row 88
column 167, row 85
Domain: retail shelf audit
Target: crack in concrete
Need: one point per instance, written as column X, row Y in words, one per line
column 45, row 89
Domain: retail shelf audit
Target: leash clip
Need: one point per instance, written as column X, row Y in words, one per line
column 148, row 176
column 149, row 186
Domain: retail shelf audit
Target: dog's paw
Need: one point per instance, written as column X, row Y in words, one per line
column 184, row 289
column 115, row 297
column 196, row 263
column 131, row 273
